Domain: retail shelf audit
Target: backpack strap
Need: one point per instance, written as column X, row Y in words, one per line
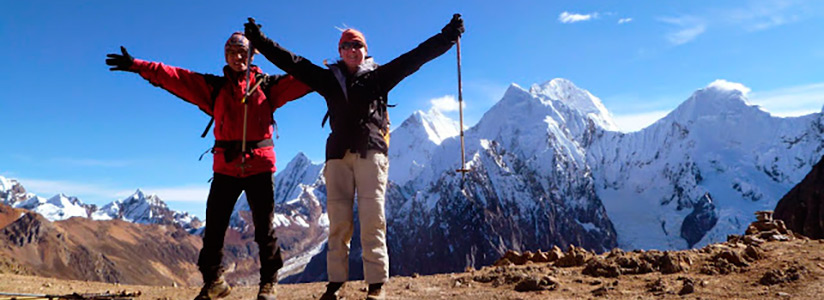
column 216, row 82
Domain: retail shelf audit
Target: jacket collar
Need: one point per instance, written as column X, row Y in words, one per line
column 235, row 76
column 368, row 65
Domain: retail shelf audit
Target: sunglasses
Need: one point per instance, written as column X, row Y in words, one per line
column 350, row 45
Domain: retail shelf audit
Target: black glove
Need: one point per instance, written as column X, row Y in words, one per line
column 454, row 29
column 120, row 62
column 252, row 32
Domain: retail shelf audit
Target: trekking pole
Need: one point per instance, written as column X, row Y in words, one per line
column 463, row 168
column 246, row 94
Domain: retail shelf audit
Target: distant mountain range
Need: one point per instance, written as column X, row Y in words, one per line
column 549, row 168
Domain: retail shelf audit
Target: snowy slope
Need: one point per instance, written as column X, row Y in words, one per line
column 59, row 207
column 530, row 187
column 412, row 143
column 715, row 144
column 137, row 208
column 12, row 191
column 298, row 189
column 145, row 208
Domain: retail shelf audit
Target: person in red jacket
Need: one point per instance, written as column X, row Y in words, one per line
column 236, row 168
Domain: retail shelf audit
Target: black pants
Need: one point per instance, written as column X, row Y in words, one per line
column 260, row 193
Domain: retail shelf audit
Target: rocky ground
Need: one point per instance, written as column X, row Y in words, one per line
column 767, row 263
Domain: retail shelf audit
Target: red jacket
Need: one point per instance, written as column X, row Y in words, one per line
column 227, row 110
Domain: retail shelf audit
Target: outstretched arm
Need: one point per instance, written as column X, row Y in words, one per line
column 190, row 86
column 397, row 69
column 297, row 66
column 285, row 88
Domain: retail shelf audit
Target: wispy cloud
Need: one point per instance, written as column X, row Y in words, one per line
column 791, row 101
column 762, row 15
column 753, row 15
column 688, row 28
column 567, row 17
column 624, row 20
column 446, row 103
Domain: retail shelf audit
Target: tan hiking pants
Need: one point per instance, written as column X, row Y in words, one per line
column 366, row 176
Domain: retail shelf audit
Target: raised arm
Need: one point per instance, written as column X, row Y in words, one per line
column 284, row 88
column 301, row 68
column 190, row 86
column 396, row 70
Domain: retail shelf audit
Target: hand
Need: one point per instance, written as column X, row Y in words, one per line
column 454, row 29
column 252, row 31
column 120, row 62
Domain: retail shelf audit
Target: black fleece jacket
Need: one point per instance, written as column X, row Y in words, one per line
column 357, row 103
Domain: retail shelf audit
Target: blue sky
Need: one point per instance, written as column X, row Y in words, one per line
column 74, row 127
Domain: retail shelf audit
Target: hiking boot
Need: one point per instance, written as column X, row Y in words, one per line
column 267, row 291
column 215, row 289
column 331, row 291
column 376, row 292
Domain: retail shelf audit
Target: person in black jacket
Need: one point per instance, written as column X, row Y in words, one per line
column 356, row 90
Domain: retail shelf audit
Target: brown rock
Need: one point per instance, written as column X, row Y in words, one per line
column 574, row 257
column 802, row 208
column 601, row 291
column 734, row 257
column 555, row 254
column 600, row 267
column 657, row 287
column 515, row 257
column 752, row 240
column 541, row 257
column 672, row 263
column 688, row 288
column 764, row 215
column 503, row 262
column 535, row 283
column 753, row 253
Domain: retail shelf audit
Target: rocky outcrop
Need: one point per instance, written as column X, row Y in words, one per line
column 802, row 209
column 702, row 218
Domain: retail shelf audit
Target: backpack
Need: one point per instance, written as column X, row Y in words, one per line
column 217, row 83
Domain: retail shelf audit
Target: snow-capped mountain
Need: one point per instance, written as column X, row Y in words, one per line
column 714, row 144
column 141, row 208
column 138, row 208
column 57, row 208
column 550, row 168
column 574, row 97
column 529, row 187
column 12, row 191
column 412, row 143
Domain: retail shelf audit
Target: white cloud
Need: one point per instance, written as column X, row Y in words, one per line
column 624, row 20
column 635, row 122
column 761, row 15
column 567, row 17
column 689, row 28
column 791, row 101
column 445, row 104
column 727, row 85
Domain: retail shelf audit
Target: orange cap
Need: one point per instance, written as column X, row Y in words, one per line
column 350, row 35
